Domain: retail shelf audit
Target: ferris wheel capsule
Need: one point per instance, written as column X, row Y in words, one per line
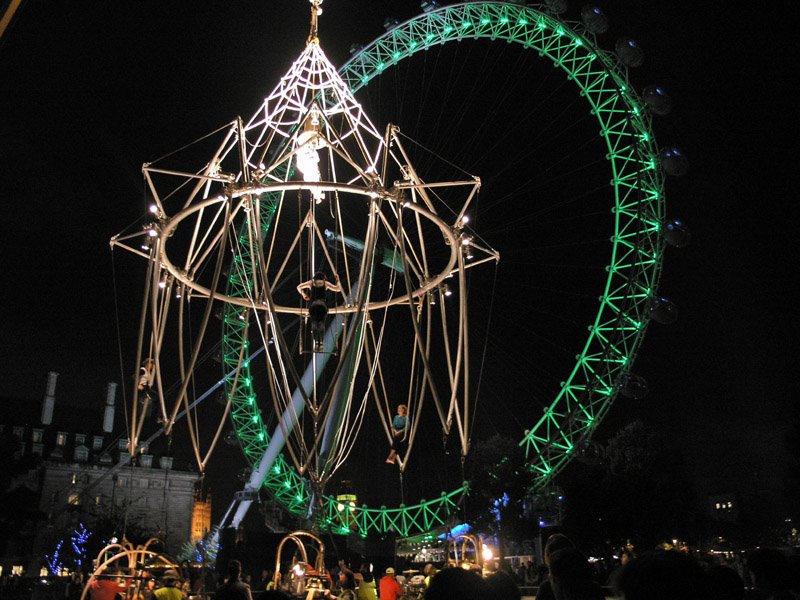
column 674, row 161
column 557, row 7
column 663, row 310
column 657, row 100
column 594, row 19
column 676, row 233
column 633, row 386
column 629, row 52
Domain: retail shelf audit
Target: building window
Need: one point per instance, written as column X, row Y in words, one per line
column 166, row 462
column 74, row 499
column 97, row 443
column 98, row 500
column 81, row 454
column 146, row 460
column 61, row 438
column 80, row 439
column 122, row 444
column 19, row 432
column 37, row 449
column 36, row 435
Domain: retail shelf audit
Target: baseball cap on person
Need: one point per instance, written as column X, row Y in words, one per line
column 390, row 571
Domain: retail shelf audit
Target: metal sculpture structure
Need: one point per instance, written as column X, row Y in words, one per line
column 305, row 192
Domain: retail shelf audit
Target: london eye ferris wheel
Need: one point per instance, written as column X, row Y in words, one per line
column 407, row 223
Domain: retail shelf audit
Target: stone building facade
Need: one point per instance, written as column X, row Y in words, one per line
column 83, row 474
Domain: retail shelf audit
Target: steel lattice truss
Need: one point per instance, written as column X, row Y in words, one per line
column 633, row 269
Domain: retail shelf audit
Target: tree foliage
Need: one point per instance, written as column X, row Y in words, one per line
column 19, row 504
column 498, row 482
column 639, row 492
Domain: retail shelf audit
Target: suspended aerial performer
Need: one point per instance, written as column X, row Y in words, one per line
column 146, row 376
column 315, row 291
column 399, row 429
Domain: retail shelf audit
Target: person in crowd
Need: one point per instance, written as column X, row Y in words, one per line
column 234, row 588
column 571, row 576
column 274, row 595
column 555, row 542
column 429, row 571
column 345, row 587
column 367, row 589
column 74, row 587
column 662, row 575
column 105, row 585
column 724, row 583
column 168, row 589
column 531, row 574
column 771, row 571
column 399, row 432
column 624, row 558
column 503, row 586
column 389, row 588
column 455, row 582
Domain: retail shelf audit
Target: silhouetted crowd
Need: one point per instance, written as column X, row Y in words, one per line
column 567, row 574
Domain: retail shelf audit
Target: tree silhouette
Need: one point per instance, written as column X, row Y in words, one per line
column 498, row 482
column 19, row 505
column 640, row 492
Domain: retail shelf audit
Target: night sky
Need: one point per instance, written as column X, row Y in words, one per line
column 90, row 91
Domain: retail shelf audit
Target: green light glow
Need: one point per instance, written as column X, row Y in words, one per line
column 547, row 439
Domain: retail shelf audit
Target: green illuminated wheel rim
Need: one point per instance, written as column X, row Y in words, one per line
column 632, row 271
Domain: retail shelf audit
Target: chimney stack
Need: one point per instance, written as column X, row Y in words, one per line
column 108, row 414
column 49, row 401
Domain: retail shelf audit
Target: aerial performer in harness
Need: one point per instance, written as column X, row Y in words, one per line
column 146, row 376
column 315, row 292
column 147, row 373
column 399, row 429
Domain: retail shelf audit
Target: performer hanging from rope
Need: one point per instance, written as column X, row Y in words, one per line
column 315, row 291
column 147, row 376
column 399, row 430
column 147, row 373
